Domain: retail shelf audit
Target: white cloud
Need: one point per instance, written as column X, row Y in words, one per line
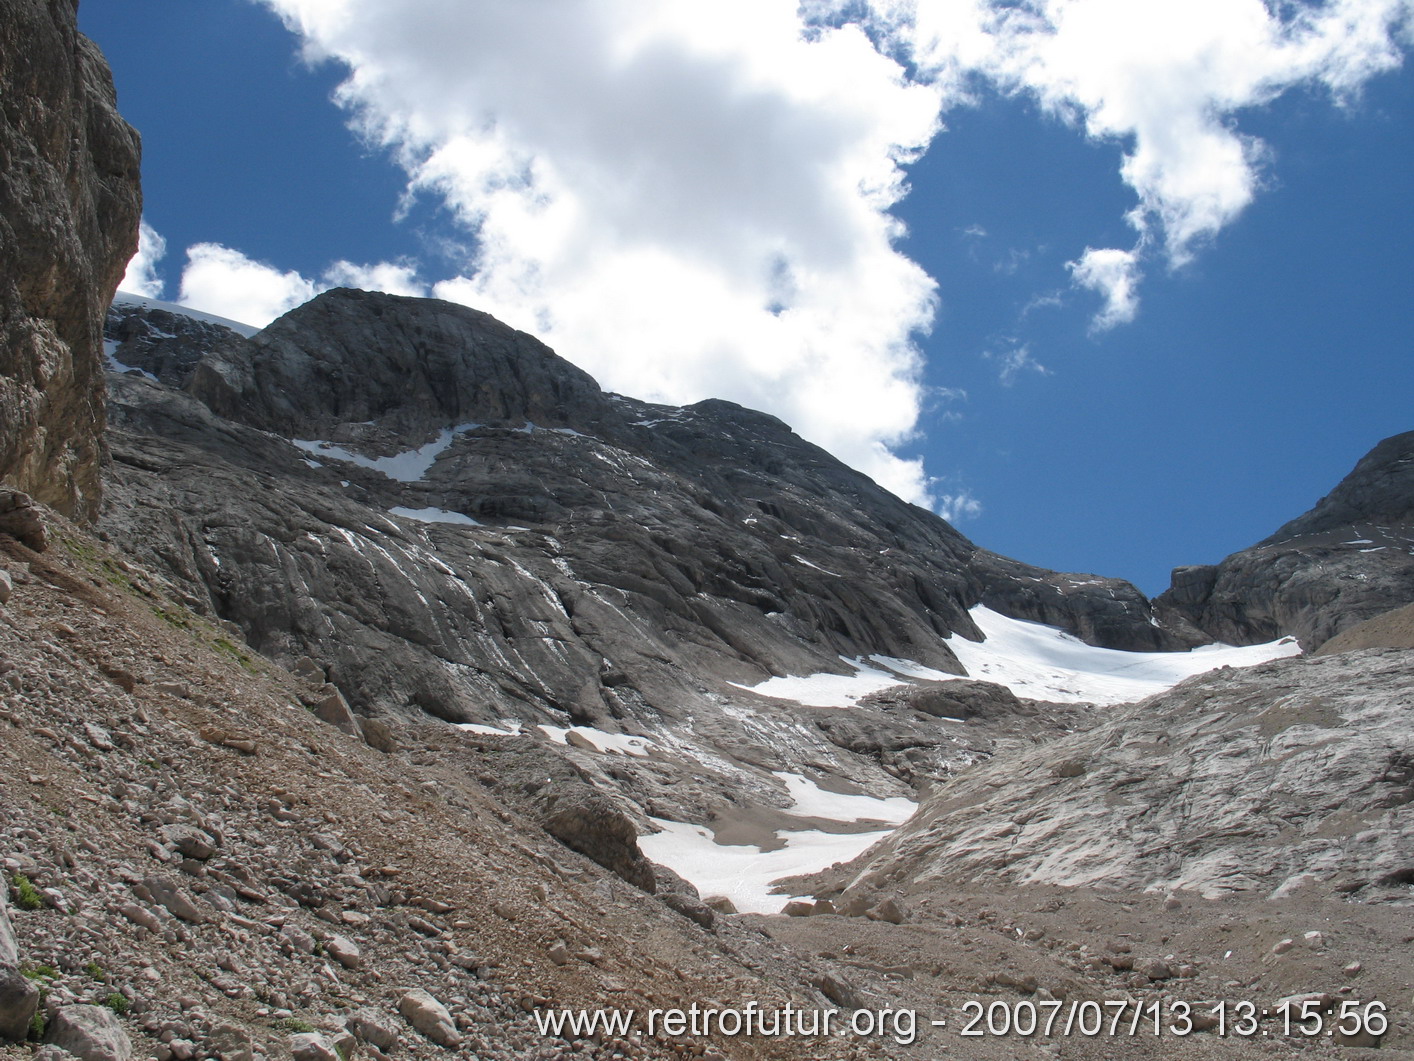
column 393, row 278
column 1166, row 79
column 693, row 200
column 1115, row 275
column 226, row 282
column 688, row 202
column 959, row 506
column 223, row 281
column 1014, row 362
column 141, row 277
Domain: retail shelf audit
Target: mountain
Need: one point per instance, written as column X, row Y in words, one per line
column 1348, row 559
column 407, row 689
column 445, row 519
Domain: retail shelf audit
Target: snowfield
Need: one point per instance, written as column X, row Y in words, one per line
column 1033, row 660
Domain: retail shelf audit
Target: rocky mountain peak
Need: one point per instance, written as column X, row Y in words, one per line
column 411, row 365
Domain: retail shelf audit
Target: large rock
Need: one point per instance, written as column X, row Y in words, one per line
column 19, row 1000
column 90, row 1033
column 69, row 207
column 593, row 825
column 9, row 946
column 1294, row 773
column 1345, row 561
column 429, row 1017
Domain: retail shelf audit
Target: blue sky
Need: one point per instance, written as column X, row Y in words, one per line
column 691, row 209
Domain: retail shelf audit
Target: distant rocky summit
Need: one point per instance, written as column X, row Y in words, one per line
column 69, row 207
column 1348, row 559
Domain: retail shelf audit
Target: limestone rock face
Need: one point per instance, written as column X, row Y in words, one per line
column 1294, row 773
column 1346, row 560
column 69, row 207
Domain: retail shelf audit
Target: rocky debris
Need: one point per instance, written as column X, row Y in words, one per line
column 90, row 1033
column 429, row 1017
column 338, row 873
column 20, row 518
column 1284, row 776
column 1391, row 629
column 1345, row 561
column 69, row 206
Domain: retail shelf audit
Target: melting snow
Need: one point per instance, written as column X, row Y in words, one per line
column 408, row 467
column 1032, row 660
column 512, row 728
column 812, row 801
column 835, row 690
column 744, row 873
column 110, row 352
column 605, row 742
column 123, row 298
column 434, row 515
column 1045, row 663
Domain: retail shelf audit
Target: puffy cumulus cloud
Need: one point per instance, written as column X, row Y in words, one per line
column 141, row 277
column 392, row 278
column 224, row 281
column 686, row 201
column 1167, row 79
column 694, row 200
column 1114, row 274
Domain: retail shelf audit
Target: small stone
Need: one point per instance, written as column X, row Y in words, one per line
column 1352, row 969
column 6, row 586
column 1282, row 946
column 1314, row 941
column 798, row 908
column 175, row 899
column 889, row 911
column 558, row 953
column 190, row 841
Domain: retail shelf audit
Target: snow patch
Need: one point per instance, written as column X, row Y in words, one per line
column 123, row 298
column 434, row 515
column 1045, row 663
column 408, row 467
column 812, row 801
column 744, row 873
column 604, row 742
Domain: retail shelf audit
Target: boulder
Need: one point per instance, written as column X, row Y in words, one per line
column 19, row 1000
column 429, row 1017
column 90, row 1033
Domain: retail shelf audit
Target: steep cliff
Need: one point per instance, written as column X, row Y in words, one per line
column 69, row 207
column 1348, row 559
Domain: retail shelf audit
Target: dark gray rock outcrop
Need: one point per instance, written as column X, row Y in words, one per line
column 1348, row 559
column 69, row 207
